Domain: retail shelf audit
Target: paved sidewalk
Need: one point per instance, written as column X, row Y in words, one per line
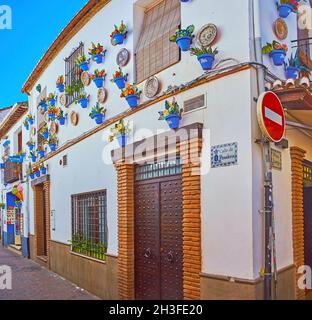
column 33, row 282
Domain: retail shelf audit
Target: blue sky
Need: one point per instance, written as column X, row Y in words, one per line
column 35, row 25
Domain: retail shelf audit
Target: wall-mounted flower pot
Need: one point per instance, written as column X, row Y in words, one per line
column 37, row 174
column 52, row 146
column 32, row 176
column 45, row 135
column 206, row 61
column 120, row 82
column 84, row 66
column 132, row 100
column 122, row 140
column 18, row 205
column 99, row 82
column 34, row 159
column 61, row 120
column 184, row 43
column 22, row 158
column 61, row 87
column 84, row 102
column 119, row 38
column 292, row 73
column 43, row 171
column 52, row 102
column 284, row 10
column 26, row 126
column 51, row 116
column 31, row 121
column 31, row 147
column 173, row 121
column 41, row 154
column 44, row 107
column 99, row 118
column 98, row 58
column 2, row 165
column 278, row 57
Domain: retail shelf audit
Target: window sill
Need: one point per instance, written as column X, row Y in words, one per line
column 86, row 257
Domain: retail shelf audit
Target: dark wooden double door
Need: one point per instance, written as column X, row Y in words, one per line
column 308, row 225
column 158, row 239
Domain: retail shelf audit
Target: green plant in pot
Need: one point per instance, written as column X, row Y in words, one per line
column 183, row 37
column 205, row 55
column 98, row 113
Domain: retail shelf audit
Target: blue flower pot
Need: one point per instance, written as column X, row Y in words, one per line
column 34, row 159
column 41, row 153
column 37, row 174
column 2, row 165
column 120, row 82
column 206, row 61
column 61, row 121
column 84, row 103
column 99, row 118
column 31, row 147
column 61, row 87
column 22, row 158
column 51, row 116
column 44, row 107
column 285, row 10
column 32, row 176
column 292, row 73
column 98, row 82
column 43, row 171
column 45, row 135
column 173, row 121
column 18, row 205
column 278, row 57
column 84, row 66
column 52, row 146
column 31, row 121
column 118, row 38
column 26, row 126
column 132, row 100
column 98, row 58
column 122, row 140
column 184, row 43
column 52, row 102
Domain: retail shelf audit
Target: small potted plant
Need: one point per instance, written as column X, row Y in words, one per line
column 52, row 142
column 31, row 144
column 120, row 131
column 43, row 105
column 60, row 116
column 120, row 79
column 97, row 52
column 36, row 171
column 41, row 152
column 119, row 34
column 2, row 205
column 98, row 113
column 292, row 69
column 26, row 124
column 286, row 7
column 22, row 156
column 205, row 55
column 51, row 113
column 82, row 62
column 132, row 94
column 18, row 204
column 183, row 37
column 30, row 173
column 277, row 52
column 98, row 78
column 30, row 119
column 32, row 156
column 172, row 114
column 60, row 84
column 43, row 169
column 44, row 132
column 52, row 99
column 83, row 99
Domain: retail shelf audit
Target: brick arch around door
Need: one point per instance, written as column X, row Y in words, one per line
column 177, row 265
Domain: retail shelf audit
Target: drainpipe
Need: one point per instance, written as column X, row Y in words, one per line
column 268, row 185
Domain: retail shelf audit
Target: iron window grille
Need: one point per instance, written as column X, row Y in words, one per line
column 158, row 170
column 89, row 224
column 307, row 173
column 73, row 72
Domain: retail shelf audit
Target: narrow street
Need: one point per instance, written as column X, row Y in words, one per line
column 32, row 282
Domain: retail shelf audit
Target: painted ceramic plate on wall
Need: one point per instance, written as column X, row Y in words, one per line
column 63, row 99
column 74, row 118
column 123, row 57
column 281, row 29
column 151, row 87
column 33, row 131
column 53, row 127
column 85, row 78
column 101, row 95
column 207, row 35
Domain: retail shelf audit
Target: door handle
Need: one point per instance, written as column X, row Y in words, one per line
column 170, row 257
column 148, row 253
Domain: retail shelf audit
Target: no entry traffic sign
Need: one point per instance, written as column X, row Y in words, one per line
column 271, row 116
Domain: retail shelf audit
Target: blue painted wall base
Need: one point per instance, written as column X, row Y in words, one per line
column 5, row 238
column 25, row 250
column 10, row 234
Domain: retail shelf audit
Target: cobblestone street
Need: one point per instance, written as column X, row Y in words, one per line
column 32, row 282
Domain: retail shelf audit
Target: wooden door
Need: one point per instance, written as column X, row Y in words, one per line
column 158, row 239
column 308, row 225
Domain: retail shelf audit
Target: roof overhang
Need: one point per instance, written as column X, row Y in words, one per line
column 78, row 22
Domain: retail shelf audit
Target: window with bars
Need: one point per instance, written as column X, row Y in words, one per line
column 73, row 73
column 307, row 173
column 89, row 226
column 155, row 52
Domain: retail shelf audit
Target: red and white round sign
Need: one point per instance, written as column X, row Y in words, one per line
column 271, row 116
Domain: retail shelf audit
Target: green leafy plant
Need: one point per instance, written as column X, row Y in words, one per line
column 97, row 109
column 170, row 108
column 121, row 29
column 75, row 87
column 53, row 139
column 30, row 142
column 80, row 59
column 188, row 32
column 120, row 128
column 96, row 49
column 197, row 51
column 81, row 96
column 275, row 45
column 98, row 74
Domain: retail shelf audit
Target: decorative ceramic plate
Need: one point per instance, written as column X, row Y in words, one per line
column 46, row 117
column 85, row 78
column 53, row 127
column 207, row 35
column 74, row 118
column 151, row 87
column 123, row 57
column 33, row 131
column 101, row 95
column 281, row 29
column 63, row 99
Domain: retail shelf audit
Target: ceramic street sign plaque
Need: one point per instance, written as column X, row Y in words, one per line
column 224, row 155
